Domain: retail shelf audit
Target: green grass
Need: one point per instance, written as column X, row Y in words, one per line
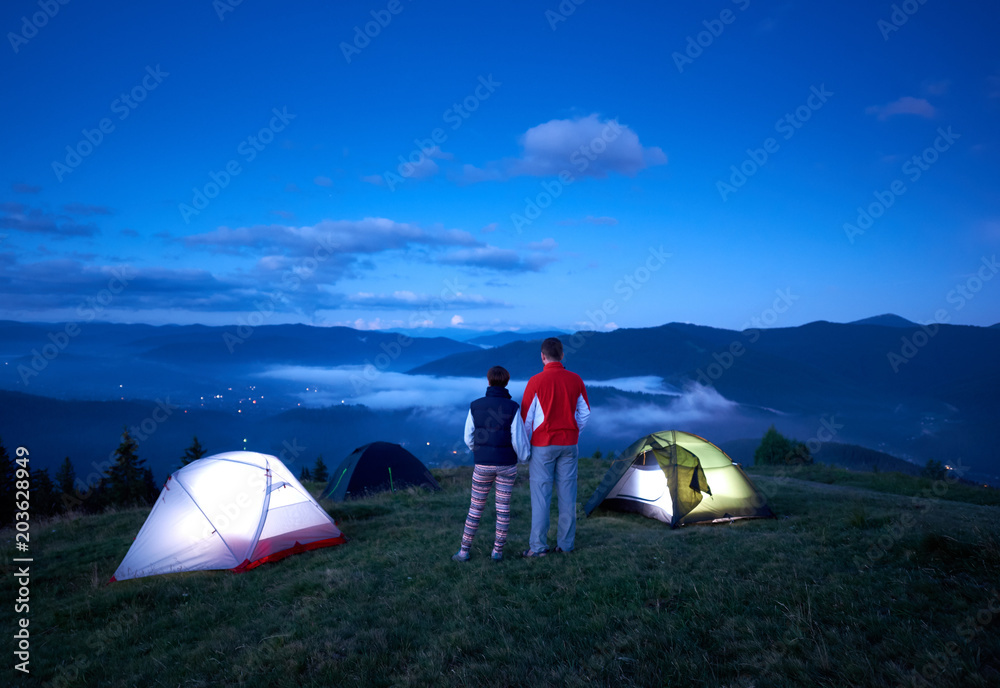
column 848, row 587
column 891, row 482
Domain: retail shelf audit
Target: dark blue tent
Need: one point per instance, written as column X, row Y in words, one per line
column 377, row 467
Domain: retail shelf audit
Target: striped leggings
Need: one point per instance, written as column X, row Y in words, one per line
column 482, row 478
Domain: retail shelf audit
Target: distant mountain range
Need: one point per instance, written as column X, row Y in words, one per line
column 501, row 338
column 882, row 383
column 886, row 320
column 189, row 360
column 918, row 393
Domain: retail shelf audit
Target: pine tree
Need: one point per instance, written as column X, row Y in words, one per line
column 304, row 474
column 934, row 470
column 193, row 453
column 319, row 471
column 66, row 478
column 125, row 478
column 149, row 485
column 7, row 484
column 44, row 498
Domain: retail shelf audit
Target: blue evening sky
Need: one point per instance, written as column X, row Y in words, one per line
column 499, row 165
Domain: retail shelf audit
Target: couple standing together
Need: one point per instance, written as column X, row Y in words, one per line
column 544, row 431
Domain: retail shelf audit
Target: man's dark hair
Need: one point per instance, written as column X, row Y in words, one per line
column 552, row 348
column 498, row 376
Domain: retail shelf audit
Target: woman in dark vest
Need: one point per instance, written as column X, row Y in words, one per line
column 495, row 433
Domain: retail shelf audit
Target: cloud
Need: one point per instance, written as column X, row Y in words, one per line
column 323, row 181
column 585, row 146
column 70, row 284
column 491, row 227
column 496, row 258
column 284, row 214
column 425, row 167
column 630, row 419
column 129, row 233
column 370, row 235
column 907, row 105
column 84, row 209
column 457, row 320
column 411, row 300
column 936, row 88
column 547, row 244
column 422, row 168
column 603, row 220
column 21, row 218
column 18, row 187
column 386, row 391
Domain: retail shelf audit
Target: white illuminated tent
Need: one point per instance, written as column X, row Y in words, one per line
column 234, row 511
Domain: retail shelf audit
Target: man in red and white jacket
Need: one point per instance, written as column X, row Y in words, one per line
column 554, row 410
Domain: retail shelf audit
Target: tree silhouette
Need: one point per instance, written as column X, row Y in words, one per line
column 7, row 485
column 44, row 498
column 126, row 480
column 193, row 453
column 776, row 449
column 319, row 471
column 66, row 477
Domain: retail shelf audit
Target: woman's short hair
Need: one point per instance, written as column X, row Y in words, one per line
column 498, row 376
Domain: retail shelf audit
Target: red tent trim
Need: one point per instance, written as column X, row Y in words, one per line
column 297, row 548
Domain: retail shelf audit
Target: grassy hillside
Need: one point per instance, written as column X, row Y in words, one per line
column 847, row 587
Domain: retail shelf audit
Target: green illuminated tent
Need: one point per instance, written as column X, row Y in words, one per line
column 678, row 478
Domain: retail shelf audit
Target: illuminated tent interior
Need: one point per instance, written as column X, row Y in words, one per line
column 678, row 478
column 233, row 511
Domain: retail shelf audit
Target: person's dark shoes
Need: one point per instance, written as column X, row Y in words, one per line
column 560, row 550
column 460, row 556
column 530, row 554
